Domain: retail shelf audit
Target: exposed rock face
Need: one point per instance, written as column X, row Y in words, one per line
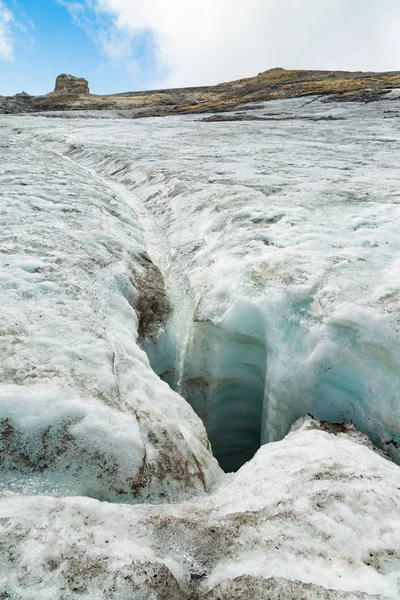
column 15, row 104
column 68, row 85
column 152, row 306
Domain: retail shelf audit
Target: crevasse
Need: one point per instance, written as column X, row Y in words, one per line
column 305, row 241
column 222, row 375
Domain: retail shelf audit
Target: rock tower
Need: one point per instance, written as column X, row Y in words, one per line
column 67, row 85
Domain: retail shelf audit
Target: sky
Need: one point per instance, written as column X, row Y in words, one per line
column 127, row 45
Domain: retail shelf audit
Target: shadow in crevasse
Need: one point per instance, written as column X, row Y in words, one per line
column 222, row 376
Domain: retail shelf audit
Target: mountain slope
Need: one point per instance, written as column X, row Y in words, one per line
column 270, row 85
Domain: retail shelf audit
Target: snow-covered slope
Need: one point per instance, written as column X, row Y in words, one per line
column 81, row 410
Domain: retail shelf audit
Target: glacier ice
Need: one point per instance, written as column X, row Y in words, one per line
column 81, row 411
column 254, row 268
column 313, row 516
column 295, row 219
column 224, row 378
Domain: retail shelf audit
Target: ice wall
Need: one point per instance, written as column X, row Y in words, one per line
column 224, row 380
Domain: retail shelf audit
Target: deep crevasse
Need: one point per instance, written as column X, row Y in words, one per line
column 306, row 242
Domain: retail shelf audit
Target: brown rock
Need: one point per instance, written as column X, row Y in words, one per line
column 68, row 85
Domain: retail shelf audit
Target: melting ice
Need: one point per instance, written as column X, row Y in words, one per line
column 257, row 265
column 278, row 243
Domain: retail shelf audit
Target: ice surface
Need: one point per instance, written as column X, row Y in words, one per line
column 315, row 516
column 278, row 246
column 81, row 412
column 297, row 219
column 224, row 377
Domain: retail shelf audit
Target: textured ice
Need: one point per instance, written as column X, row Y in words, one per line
column 315, row 516
column 297, row 221
column 81, row 411
column 278, row 246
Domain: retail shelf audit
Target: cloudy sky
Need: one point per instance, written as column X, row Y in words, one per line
column 121, row 45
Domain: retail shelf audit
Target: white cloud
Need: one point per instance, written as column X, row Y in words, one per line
column 6, row 40
column 217, row 40
column 75, row 8
column 113, row 42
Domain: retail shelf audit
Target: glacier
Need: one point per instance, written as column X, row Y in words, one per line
column 79, row 400
column 303, row 231
column 176, row 294
column 314, row 516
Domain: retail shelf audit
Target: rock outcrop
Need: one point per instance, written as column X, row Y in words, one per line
column 68, row 85
column 72, row 93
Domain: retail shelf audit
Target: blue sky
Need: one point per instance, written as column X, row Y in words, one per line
column 47, row 41
column 122, row 45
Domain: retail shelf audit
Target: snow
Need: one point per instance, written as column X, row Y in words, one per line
column 312, row 513
column 277, row 243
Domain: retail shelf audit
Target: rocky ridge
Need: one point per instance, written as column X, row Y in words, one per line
column 72, row 93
